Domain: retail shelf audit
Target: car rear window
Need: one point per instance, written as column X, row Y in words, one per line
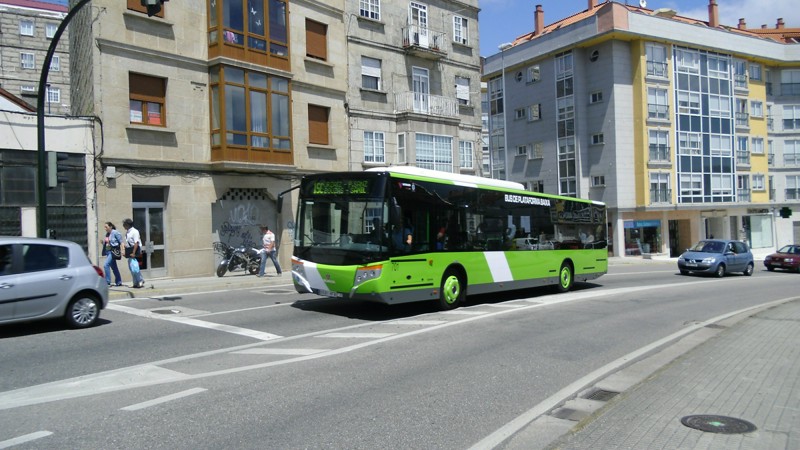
column 6, row 253
column 37, row 257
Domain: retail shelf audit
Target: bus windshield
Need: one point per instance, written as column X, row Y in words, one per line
column 343, row 221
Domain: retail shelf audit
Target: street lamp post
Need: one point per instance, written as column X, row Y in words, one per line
column 503, row 47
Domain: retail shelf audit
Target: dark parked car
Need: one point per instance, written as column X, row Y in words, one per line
column 717, row 257
column 45, row 278
column 787, row 257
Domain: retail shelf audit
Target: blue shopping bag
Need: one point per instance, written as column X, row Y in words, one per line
column 134, row 263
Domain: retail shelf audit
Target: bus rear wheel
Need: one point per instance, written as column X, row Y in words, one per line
column 566, row 277
column 453, row 290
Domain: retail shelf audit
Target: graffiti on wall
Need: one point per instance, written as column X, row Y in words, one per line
column 238, row 215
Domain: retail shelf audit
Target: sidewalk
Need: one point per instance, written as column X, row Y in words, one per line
column 158, row 287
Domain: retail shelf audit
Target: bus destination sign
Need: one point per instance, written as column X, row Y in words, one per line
column 341, row 187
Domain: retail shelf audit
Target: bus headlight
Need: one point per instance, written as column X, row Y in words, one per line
column 297, row 267
column 364, row 274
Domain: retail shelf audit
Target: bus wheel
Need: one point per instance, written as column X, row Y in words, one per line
column 566, row 277
column 453, row 290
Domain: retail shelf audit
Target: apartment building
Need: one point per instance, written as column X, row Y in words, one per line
column 27, row 28
column 414, row 84
column 207, row 112
column 684, row 127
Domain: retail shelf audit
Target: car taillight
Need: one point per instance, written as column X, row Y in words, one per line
column 99, row 271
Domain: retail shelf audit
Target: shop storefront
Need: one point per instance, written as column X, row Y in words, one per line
column 642, row 236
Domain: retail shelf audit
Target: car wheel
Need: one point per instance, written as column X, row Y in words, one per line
column 770, row 268
column 749, row 269
column 82, row 311
column 453, row 290
column 566, row 277
column 720, row 272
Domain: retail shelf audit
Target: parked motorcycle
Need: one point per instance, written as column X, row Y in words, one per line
column 235, row 258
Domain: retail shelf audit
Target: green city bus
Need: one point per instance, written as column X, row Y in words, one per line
column 403, row 234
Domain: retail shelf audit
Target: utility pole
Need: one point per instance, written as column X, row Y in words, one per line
column 41, row 179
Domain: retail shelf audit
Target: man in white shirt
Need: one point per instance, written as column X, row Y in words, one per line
column 270, row 251
column 133, row 248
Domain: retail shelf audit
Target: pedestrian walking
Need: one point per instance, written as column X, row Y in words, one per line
column 133, row 249
column 270, row 251
column 112, row 249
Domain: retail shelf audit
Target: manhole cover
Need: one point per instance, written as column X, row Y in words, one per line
column 718, row 424
column 166, row 311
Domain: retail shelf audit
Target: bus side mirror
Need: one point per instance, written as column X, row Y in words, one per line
column 279, row 205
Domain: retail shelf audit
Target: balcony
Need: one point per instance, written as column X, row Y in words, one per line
column 743, row 120
column 431, row 105
column 743, row 196
column 771, row 159
column 742, row 157
column 423, row 42
column 660, row 196
column 770, row 124
column 656, row 69
column 659, row 153
column 739, row 81
column 657, row 112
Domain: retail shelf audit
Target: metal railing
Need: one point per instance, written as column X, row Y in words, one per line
column 657, row 111
column 742, row 157
column 662, row 195
column 793, row 194
column 433, row 105
column 743, row 196
column 657, row 69
column 742, row 119
column 422, row 37
column 659, row 153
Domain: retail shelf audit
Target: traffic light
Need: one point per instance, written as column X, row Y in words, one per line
column 786, row 212
column 153, row 6
column 56, row 168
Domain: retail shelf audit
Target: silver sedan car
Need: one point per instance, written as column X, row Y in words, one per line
column 45, row 278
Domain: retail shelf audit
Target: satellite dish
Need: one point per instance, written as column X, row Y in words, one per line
column 643, row 3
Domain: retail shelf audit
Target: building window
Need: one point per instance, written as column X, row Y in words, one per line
column 790, row 82
column 461, row 30
column 136, row 5
column 757, row 146
column 742, row 152
column 534, row 74
column 689, row 143
column 316, row 40
column 371, row 73
column 721, row 145
column 687, row 61
column 434, row 152
column 374, row 147
column 318, row 129
column 401, row 148
column 719, row 105
column 657, row 103
column 522, row 150
column 597, row 139
column 755, row 72
column 537, row 151
column 596, row 97
column 740, row 74
column 743, row 188
column 659, row 145
column 53, row 95
column 659, row 188
column 598, row 180
column 147, row 99
column 791, row 117
column 792, row 187
column 534, row 112
column 26, row 27
column 520, row 113
column 462, row 90
column 465, row 154
column 27, row 89
column 691, row 184
column 254, row 31
column 688, row 102
column 536, row 186
column 563, row 66
column 758, row 182
column 656, row 60
column 55, row 64
column 721, row 184
column 50, row 30
column 791, row 153
column 718, row 66
column 27, row 60
column 756, row 108
column 370, row 9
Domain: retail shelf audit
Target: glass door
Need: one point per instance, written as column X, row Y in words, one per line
column 418, row 19
column 149, row 220
column 420, row 84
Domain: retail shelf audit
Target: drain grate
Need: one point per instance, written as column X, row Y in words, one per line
column 718, row 424
column 601, row 395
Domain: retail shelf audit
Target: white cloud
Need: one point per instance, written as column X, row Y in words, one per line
column 754, row 12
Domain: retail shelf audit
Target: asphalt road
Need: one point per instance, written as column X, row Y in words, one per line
column 268, row 368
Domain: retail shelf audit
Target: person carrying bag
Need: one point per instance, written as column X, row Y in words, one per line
column 133, row 250
column 112, row 251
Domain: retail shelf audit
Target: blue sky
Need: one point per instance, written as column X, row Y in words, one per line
column 503, row 20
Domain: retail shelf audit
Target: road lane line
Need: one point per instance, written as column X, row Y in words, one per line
column 164, row 399
column 260, row 335
column 281, row 351
column 357, row 335
column 416, row 322
column 464, row 312
column 24, row 438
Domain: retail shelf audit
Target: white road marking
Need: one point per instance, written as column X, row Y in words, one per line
column 416, row 322
column 113, row 380
column 24, row 438
column 164, row 399
column 504, row 305
column 464, row 312
column 260, row 335
column 357, row 335
column 232, row 311
column 281, row 351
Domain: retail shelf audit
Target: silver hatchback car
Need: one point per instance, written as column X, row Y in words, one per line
column 45, row 278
